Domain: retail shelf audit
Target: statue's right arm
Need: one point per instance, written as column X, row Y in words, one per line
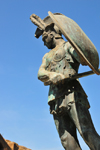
column 48, row 77
column 43, row 74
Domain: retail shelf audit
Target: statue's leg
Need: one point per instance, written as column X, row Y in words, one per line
column 82, row 119
column 67, row 132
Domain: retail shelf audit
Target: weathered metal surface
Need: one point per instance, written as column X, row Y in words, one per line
column 67, row 99
column 79, row 40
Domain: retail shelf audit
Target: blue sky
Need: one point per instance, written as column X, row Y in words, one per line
column 24, row 112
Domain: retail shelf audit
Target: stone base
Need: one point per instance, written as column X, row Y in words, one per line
column 8, row 145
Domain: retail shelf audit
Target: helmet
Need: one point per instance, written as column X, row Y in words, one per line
column 44, row 24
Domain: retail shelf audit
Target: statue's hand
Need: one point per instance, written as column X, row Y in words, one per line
column 43, row 77
column 55, row 78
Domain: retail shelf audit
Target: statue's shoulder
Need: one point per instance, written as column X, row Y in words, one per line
column 44, row 58
column 67, row 46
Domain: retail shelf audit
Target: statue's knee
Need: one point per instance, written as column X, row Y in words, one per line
column 69, row 143
column 64, row 141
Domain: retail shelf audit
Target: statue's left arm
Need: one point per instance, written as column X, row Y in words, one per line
column 76, row 56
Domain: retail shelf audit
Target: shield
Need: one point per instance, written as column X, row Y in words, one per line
column 79, row 40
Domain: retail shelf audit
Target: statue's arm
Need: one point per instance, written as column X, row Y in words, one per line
column 43, row 74
column 49, row 77
column 76, row 56
column 73, row 52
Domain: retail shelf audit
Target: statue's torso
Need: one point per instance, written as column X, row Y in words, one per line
column 60, row 60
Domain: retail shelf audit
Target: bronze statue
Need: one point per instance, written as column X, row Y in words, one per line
column 67, row 99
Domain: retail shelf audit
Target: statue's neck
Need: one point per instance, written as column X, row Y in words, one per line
column 59, row 42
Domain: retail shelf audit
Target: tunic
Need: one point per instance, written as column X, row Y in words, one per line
column 60, row 96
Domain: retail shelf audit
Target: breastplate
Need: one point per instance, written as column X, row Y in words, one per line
column 62, row 62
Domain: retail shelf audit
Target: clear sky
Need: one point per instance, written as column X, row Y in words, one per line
column 24, row 112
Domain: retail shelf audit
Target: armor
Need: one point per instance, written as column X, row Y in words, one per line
column 61, row 61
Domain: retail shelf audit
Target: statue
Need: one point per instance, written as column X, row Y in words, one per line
column 67, row 99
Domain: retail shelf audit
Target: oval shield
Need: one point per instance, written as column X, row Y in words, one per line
column 76, row 34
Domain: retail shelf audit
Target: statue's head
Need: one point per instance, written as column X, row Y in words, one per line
column 47, row 29
column 49, row 35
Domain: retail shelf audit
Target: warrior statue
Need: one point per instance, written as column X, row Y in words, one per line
column 67, row 99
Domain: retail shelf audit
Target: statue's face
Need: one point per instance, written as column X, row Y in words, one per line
column 47, row 38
